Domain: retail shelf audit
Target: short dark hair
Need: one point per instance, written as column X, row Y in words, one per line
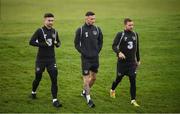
column 127, row 20
column 48, row 15
column 89, row 13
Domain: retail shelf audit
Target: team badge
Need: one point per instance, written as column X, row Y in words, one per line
column 54, row 36
column 95, row 32
column 134, row 38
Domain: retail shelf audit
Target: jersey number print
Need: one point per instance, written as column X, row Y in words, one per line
column 130, row 45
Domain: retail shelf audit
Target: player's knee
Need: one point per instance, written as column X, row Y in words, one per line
column 54, row 84
column 132, row 77
column 86, row 82
column 118, row 79
column 86, row 85
column 39, row 72
column 132, row 80
column 93, row 78
column 53, row 72
column 133, row 74
column 93, row 73
column 38, row 75
column 119, row 76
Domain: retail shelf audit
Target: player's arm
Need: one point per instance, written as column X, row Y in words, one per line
column 115, row 46
column 77, row 40
column 34, row 40
column 137, row 52
column 57, row 41
column 100, row 39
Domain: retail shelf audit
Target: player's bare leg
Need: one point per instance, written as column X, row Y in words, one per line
column 92, row 78
column 86, row 82
column 86, row 86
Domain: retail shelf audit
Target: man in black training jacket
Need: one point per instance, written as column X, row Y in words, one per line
column 126, row 46
column 45, row 39
column 88, row 42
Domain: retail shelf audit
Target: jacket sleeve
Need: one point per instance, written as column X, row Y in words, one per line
column 100, row 39
column 116, row 42
column 34, row 40
column 77, row 40
column 58, row 44
column 137, row 51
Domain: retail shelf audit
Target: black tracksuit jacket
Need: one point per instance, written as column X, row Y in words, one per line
column 45, row 53
column 88, row 41
column 127, row 42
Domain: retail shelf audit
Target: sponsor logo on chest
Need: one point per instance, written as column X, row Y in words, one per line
column 86, row 34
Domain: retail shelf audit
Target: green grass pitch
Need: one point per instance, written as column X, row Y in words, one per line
column 158, row 80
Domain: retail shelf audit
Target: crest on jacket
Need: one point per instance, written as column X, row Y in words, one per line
column 95, row 32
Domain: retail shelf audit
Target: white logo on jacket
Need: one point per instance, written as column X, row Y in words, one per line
column 86, row 34
column 125, row 39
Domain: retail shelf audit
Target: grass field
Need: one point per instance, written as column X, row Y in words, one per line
column 156, row 21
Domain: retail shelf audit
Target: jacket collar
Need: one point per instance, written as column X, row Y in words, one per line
column 45, row 28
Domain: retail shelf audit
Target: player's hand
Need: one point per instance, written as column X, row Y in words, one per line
column 48, row 44
column 55, row 42
column 138, row 63
column 121, row 55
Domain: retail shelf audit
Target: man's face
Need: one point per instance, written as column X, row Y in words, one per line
column 129, row 26
column 48, row 21
column 90, row 20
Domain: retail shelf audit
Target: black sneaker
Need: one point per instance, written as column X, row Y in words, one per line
column 83, row 95
column 57, row 104
column 91, row 104
column 33, row 96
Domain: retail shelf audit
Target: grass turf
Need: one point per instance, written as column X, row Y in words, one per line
column 157, row 23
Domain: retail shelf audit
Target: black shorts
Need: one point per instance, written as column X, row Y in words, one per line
column 128, row 69
column 49, row 65
column 89, row 64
